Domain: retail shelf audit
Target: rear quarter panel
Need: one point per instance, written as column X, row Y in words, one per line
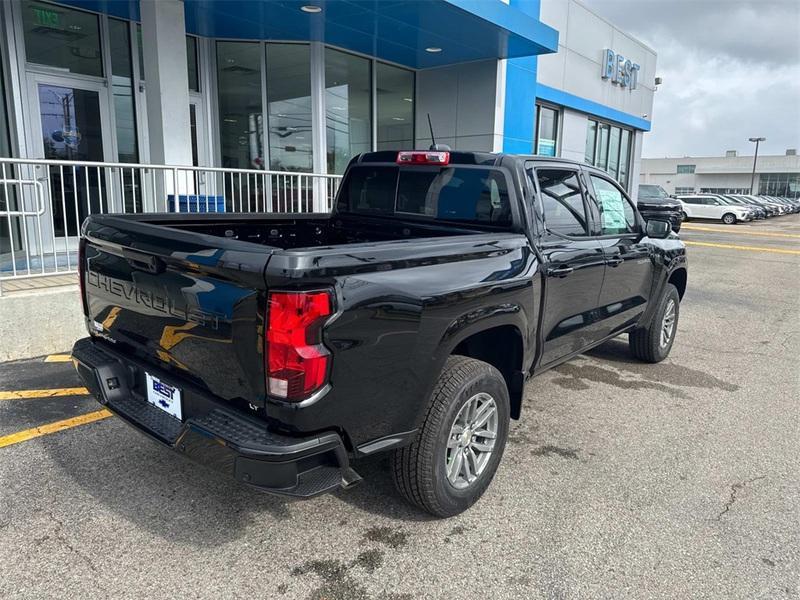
column 399, row 318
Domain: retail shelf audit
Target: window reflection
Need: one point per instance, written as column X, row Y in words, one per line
column 289, row 107
column 548, row 131
column 395, row 107
column 239, row 84
column 609, row 148
column 347, row 108
column 122, row 82
column 63, row 38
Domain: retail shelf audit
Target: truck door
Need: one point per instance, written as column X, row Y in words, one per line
column 629, row 269
column 574, row 263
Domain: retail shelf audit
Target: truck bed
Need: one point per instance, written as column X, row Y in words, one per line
column 188, row 293
column 292, row 231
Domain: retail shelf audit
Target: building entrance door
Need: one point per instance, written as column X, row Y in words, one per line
column 71, row 123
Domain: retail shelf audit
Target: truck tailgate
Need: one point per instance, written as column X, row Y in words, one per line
column 187, row 302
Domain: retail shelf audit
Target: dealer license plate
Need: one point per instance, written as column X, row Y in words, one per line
column 164, row 396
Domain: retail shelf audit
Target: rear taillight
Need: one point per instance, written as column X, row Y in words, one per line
column 297, row 361
column 423, row 158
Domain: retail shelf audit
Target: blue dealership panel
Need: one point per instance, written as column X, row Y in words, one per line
column 393, row 30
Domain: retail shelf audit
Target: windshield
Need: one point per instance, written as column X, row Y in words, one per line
column 652, row 192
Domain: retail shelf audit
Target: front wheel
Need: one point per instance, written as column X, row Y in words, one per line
column 653, row 343
column 729, row 219
column 459, row 446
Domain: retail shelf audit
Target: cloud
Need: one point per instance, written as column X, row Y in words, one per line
column 731, row 70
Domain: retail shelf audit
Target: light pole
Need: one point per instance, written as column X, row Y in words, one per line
column 757, row 140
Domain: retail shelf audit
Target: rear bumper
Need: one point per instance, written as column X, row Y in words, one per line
column 213, row 433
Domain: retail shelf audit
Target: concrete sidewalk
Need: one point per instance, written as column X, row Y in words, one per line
column 39, row 321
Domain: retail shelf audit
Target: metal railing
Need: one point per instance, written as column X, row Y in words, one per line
column 44, row 202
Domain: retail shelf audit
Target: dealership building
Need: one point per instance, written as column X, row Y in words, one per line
column 145, row 105
column 775, row 175
column 303, row 86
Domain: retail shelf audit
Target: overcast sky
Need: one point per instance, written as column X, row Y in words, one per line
column 731, row 70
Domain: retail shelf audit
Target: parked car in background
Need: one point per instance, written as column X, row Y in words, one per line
column 773, row 208
column 653, row 202
column 759, row 212
column 707, row 206
column 751, row 201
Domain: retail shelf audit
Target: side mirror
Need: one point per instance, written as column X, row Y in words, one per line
column 658, row 229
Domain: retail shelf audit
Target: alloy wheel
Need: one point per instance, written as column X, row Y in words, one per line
column 668, row 323
column 471, row 440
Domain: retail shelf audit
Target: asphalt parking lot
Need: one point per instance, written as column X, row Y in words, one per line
column 677, row 480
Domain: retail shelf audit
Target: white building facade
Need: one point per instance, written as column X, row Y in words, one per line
column 777, row 175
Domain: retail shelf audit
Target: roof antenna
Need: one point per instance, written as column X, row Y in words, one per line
column 434, row 146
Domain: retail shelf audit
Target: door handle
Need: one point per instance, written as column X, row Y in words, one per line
column 615, row 261
column 559, row 271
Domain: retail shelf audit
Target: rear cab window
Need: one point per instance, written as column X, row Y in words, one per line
column 470, row 195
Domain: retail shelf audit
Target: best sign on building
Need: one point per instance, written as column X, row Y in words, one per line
column 304, row 85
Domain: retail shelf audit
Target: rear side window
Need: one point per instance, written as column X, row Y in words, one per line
column 468, row 195
column 562, row 202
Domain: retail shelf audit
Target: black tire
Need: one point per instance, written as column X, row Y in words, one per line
column 729, row 219
column 676, row 227
column 684, row 217
column 420, row 470
column 646, row 343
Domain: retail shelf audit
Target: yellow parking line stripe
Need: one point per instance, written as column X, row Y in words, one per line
column 28, row 434
column 58, row 358
column 28, row 394
column 741, row 231
column 751, row 248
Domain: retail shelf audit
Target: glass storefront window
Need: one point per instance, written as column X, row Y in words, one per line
column 782, row 185
column 395, row 107
column 609, row 148
column 348, row 100
column 240, row 111
column 591, row 138
column 601, row 158
column 624, row 157
column 191, row 63
column 613, row 152
column 122, row 82
column 547, row 131
column 289, row 107
column 63, row 38
column 140, row 50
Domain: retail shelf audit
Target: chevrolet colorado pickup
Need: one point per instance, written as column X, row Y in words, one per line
column 280, row 348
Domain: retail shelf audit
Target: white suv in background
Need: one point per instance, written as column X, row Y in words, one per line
column 698, row 206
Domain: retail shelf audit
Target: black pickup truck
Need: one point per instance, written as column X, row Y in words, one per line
column 279, row 348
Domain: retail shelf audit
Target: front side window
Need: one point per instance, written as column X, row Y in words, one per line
column 616, row 213
column 63, row 38
column 562, row 202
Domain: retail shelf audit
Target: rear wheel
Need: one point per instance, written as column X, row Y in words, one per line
column 459, row 446
column 729, row 218
column 654, row 342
